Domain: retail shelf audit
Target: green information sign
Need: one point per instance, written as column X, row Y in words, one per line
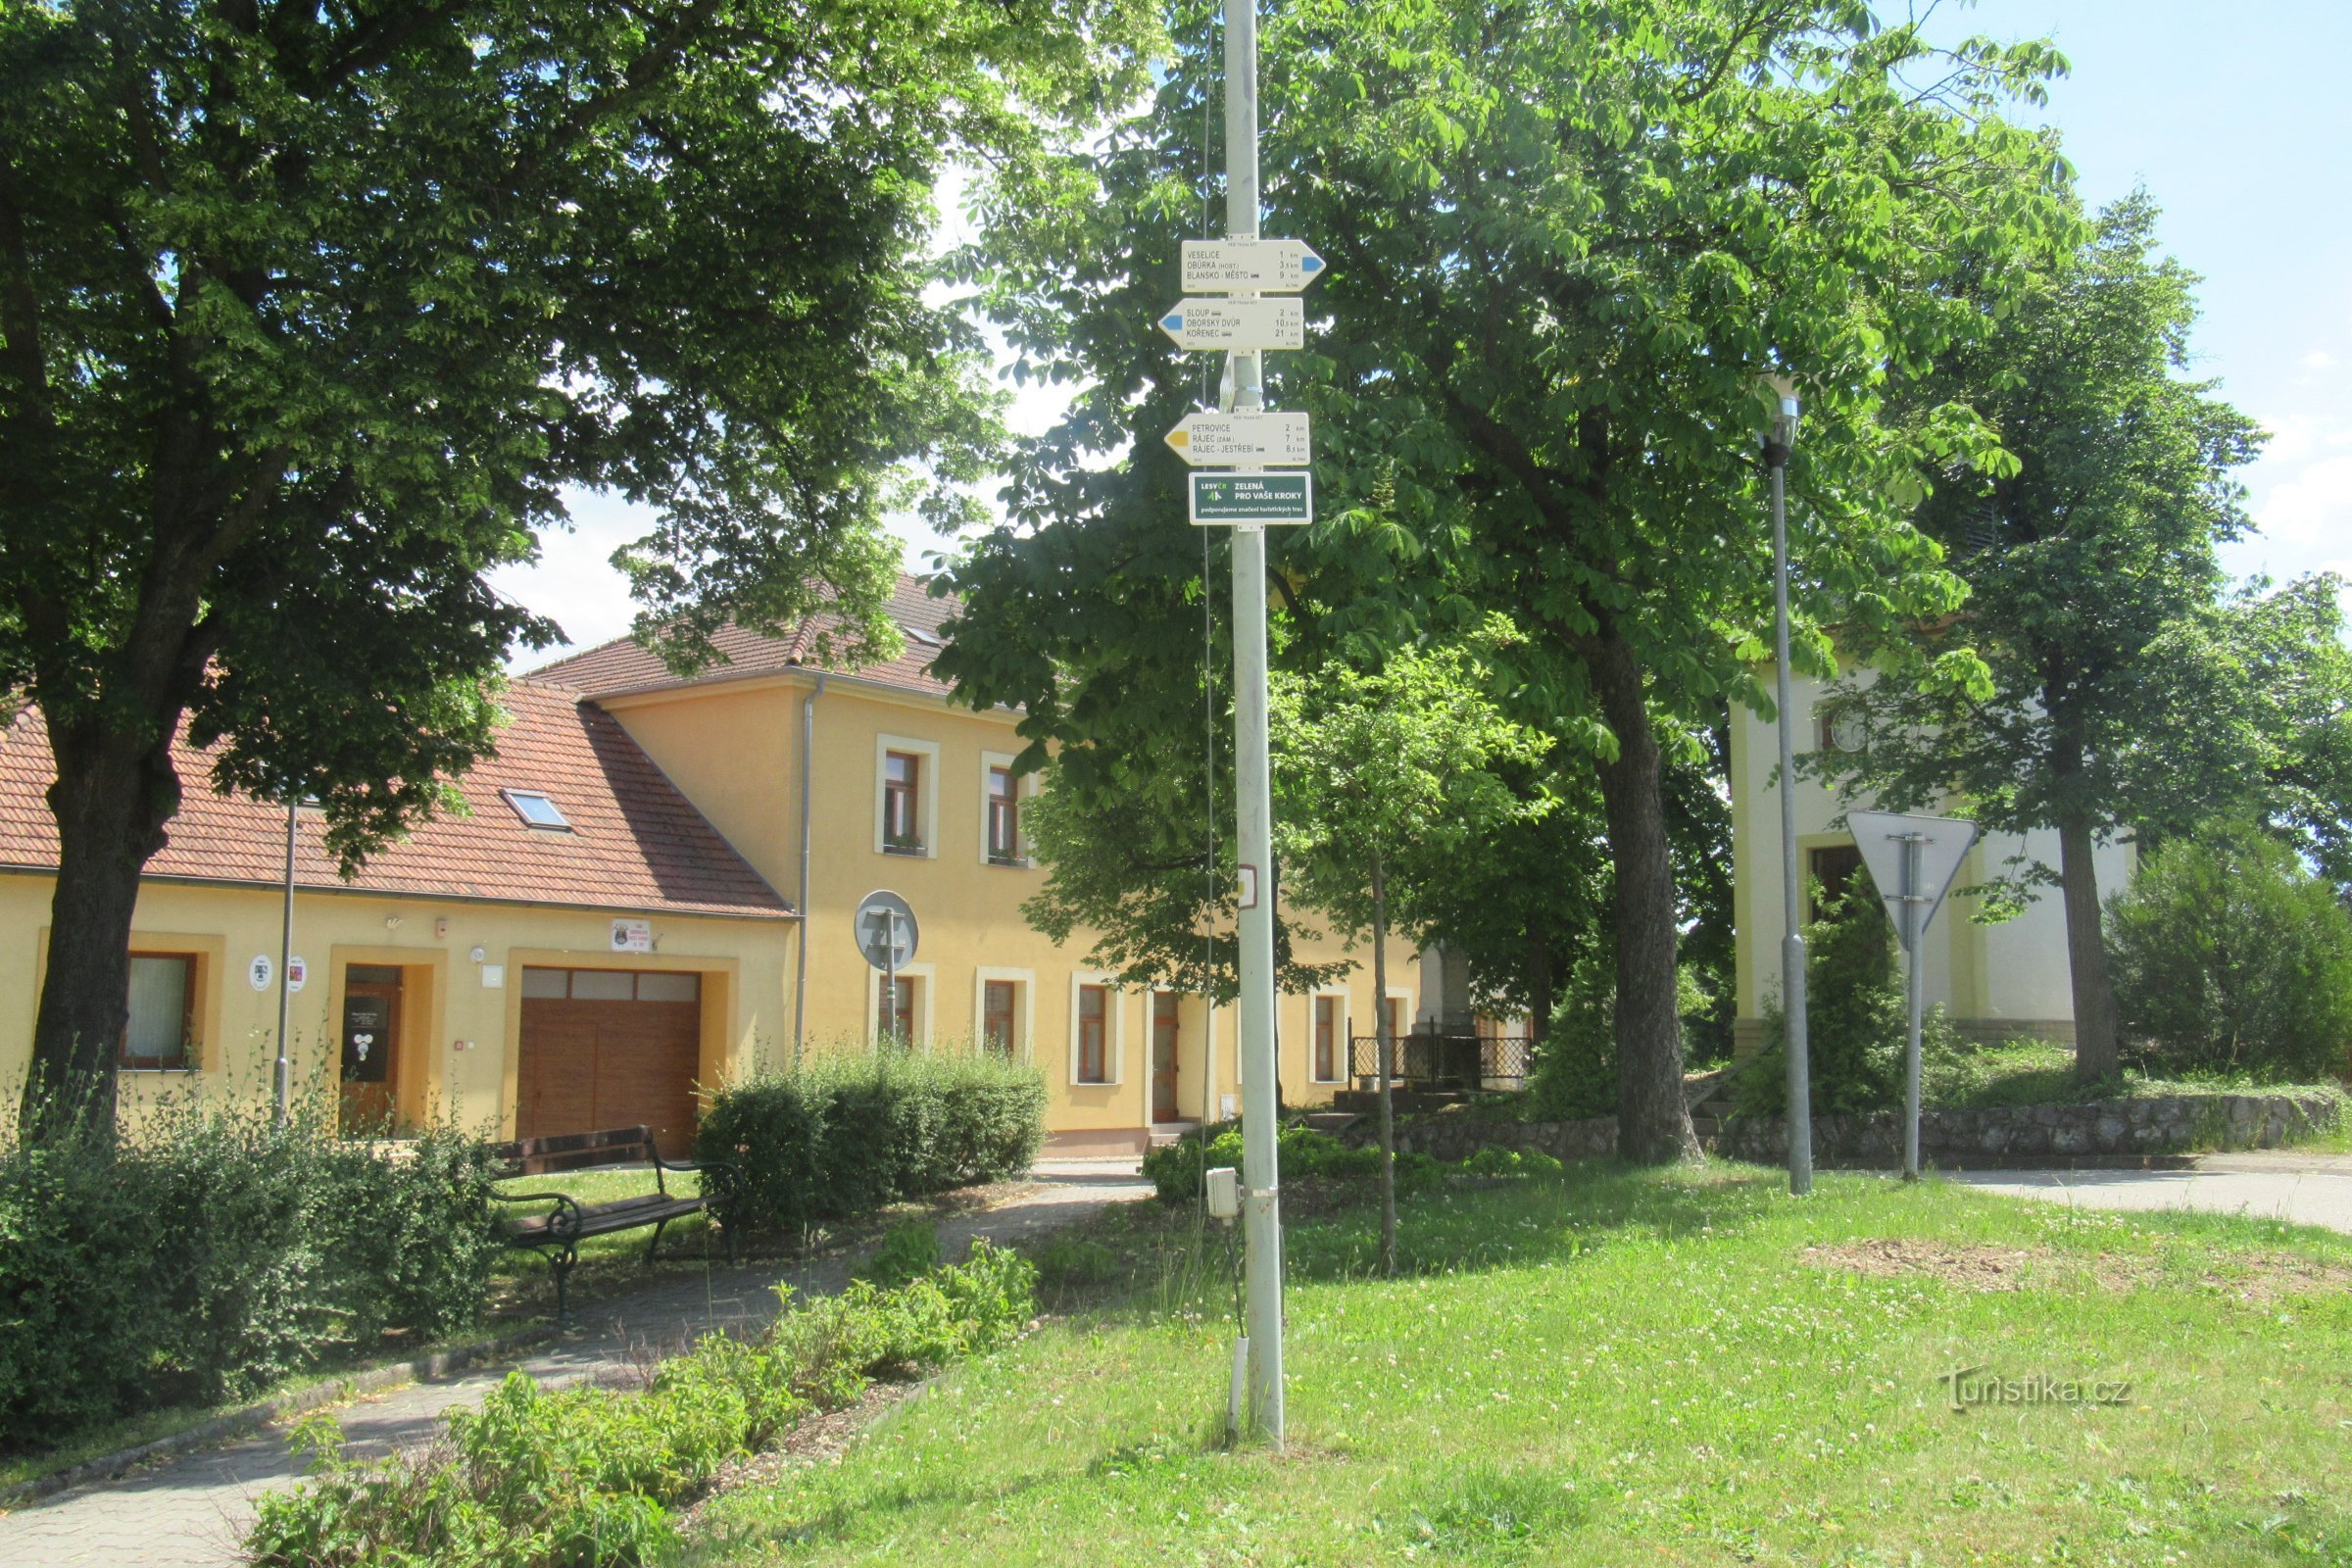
column 1230, row 498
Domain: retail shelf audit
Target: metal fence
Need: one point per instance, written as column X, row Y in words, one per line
column 1443, row 1062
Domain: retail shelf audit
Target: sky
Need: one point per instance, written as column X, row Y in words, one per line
column 2235, row 117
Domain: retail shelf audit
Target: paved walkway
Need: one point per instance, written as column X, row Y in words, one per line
column 192, row 1510
column 2301, row 1188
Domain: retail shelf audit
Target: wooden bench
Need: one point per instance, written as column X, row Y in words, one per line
column 559, row 1231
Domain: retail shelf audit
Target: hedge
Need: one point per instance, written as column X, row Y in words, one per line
column 591, row 1477
column 210, row 1253
column 848, row 1132
column 1300, row 1154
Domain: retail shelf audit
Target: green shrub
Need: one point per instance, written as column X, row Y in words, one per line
column 1303, row 1153
column 587, row 1475
column 1490, row 1161
column 212, row 1253
column 1855, row 1016
column 847, row 1133
column 907, row 1253
column 2229, row 955
column 1574, row 1075
column 1070, row 1264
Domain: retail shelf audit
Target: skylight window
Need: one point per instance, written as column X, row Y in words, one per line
column 537, row 809
column 917, row 634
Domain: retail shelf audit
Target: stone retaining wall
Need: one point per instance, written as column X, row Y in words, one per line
column 2119, row 1128
column 2169, row 1125
column 1453, row 1139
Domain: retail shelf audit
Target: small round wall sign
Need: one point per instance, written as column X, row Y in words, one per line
column 298, row 972
column 259, row 971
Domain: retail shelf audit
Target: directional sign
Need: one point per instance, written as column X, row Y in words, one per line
column 1243, row 440
column 1230, row 498
column 1273, row 266
column 1934, row 848
column 1236, row 326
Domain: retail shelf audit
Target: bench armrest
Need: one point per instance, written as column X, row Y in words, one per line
column 723, row 1182
column 563, row 1224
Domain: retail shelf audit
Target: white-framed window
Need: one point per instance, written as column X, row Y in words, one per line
column 906, row 795
column 1005, row 1011
column 1327, row 1046
column 1003, row 796
column 160, row 1033
column 1098, row 1031
column 911, row 1013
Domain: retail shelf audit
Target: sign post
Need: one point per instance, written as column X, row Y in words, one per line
column 1251, row 500
column 886, row 936
column 1268, row 265
column 1244, row 325
column 1913, row 859
column 1280, row 440
column 1240, row 324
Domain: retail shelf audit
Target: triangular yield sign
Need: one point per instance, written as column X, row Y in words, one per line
column 1943, row 843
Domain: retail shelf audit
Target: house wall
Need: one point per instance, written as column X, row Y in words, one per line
column 733, row 748
column 458, row 1036
column 1997, row 981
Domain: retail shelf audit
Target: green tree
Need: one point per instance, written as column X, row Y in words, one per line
column 1565, row 240
column 2113, row 696
column 2232, row 956
column 1138, row 858
column 1381, row 781
column 308, row 313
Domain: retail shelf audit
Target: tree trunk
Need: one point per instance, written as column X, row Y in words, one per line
column 1653, row 1113
column 2095, row 1045
column 1387, row 1060
column 114, row 793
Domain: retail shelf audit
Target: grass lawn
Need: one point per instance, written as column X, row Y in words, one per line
column 1662, row 1367
column 2035, row 1072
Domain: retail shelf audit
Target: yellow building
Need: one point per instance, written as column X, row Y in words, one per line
column 1997, row 982
column 657, row 887
column 836, row 785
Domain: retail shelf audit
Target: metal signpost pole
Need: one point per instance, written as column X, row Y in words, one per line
column 1262, row 1206
column 1916, row 900
column 285, row 974
column 1777, row 442
column 889, row 1033
column 1912, row 863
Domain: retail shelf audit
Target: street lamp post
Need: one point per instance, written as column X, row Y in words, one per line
column 1779, row 440
column 285, row 971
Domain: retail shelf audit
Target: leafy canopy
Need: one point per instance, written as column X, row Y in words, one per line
column 308, row 314
column 2111, row 683
column 1384, row 780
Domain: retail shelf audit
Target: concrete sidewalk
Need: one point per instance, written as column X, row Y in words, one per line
column 2283, row 1184
column 193, row 1511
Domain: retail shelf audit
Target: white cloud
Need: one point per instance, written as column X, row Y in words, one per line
column 2311, row 507
column 2317, row 360
column 573, row 582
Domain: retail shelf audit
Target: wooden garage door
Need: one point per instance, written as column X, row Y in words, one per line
column 609, row 1048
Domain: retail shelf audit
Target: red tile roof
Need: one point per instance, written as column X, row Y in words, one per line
column 621, row 665
column 637, row 844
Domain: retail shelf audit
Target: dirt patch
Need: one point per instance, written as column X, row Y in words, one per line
column 2256, row 1278
column 1969, row 1266
column 820, row 1439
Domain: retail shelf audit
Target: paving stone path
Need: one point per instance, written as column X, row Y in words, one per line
column 2285, row 1183
column 191, row 1512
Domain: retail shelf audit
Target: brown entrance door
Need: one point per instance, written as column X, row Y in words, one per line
column 1163, row 1056
column 371, row 1043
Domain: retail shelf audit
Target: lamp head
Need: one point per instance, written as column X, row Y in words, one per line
column 1779, row 394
